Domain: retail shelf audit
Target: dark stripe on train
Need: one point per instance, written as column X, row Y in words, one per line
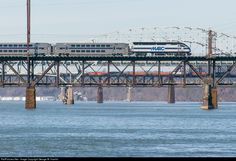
column 163, row 47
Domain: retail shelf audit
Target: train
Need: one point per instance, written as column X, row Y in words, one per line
column 97, row 49
column 159, row 48
column 15, row 49
column 84, row 49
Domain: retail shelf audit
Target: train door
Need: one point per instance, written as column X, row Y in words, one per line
column 65, row 50
column 51, row 49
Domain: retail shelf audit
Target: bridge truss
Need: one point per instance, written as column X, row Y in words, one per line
column 117, row 71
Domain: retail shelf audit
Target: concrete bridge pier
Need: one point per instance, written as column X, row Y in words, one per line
column 100, row 94
column 129, row 94
column 30, row 98
column 210, row 100
column 69, row 97
column 62, row 95
column 171, row 92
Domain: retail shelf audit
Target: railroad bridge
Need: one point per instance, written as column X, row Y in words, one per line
column 210, row 71
column 127, row 71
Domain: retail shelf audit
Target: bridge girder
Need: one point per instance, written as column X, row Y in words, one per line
column 117, row 71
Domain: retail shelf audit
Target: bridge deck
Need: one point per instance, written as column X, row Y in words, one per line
column 117, row 58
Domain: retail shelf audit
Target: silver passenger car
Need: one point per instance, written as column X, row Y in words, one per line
column 91, row 49
column 15, row 49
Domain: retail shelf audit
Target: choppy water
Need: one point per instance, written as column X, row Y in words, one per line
column 116, row 129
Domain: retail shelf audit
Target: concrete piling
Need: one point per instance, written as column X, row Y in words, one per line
column 171, row 94
column 129, row 94
column 69, row 96
column 100, row 94
column 214, row 97
column 171, row 91
column 30, row 98
column 210, row 100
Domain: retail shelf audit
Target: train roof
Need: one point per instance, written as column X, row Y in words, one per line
column 91, row 43
column 157, row 43
column 23, row 43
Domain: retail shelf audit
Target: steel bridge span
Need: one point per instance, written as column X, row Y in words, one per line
column 69, row 72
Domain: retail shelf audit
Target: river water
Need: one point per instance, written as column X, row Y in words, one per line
column 88, row 129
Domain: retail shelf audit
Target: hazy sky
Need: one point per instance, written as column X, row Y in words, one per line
column 54, row 20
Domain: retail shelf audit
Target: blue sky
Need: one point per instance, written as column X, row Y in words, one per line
column 54, row 20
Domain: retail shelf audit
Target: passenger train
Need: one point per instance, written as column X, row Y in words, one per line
column 97, row 49
column 83, row 49
column 14, row 49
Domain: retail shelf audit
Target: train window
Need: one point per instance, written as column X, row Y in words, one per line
column 20, row 51
column 78, row 45
column 78, row 51
column 103, row 51
column 93, row 46
column 5, row 45
column 82, row 45
column 30, row 45
column 25, row 51
column 87, row 45
column 98, row 51
column 83, row 51
column 41, row 48
column 87, row 51
column 0, row 51
column 15, row 45
column 72, row 51
column 10, row 50
column 62, row 48
column 4, row 51
column 15, row 51
column 20, row 45
column 108, row 46
column 73, row 46
column 10, row 45
column 102, row 45
column 0, row 45
column 93, row 51
column 98, row 46
column 25, row 45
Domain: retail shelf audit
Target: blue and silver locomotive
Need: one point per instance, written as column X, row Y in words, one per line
column 159, row 48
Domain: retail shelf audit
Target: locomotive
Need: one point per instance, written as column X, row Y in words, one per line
column 160, row 48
